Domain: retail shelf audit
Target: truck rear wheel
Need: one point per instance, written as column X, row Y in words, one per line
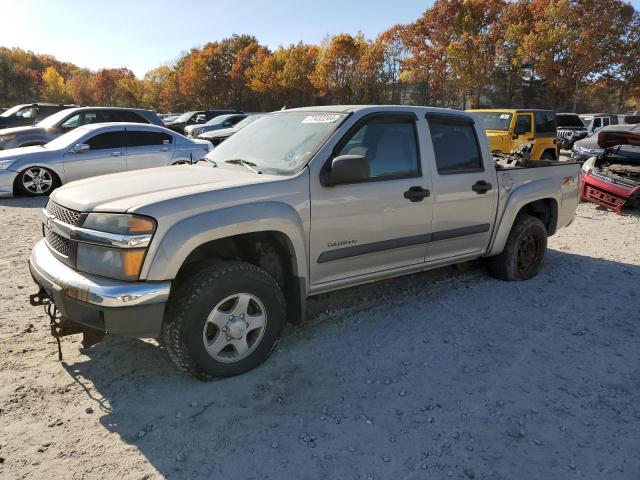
column 524, row 251
column 224, row 320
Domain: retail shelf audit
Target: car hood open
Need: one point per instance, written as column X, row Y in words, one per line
column 623, row 135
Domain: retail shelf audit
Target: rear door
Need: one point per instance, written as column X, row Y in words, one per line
column 148, row 148
column 464, row 191
column 106, row 154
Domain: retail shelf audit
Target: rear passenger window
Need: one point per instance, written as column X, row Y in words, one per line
column 389, row 144
column 143, row 139
column 131, row 117
column 455, row 146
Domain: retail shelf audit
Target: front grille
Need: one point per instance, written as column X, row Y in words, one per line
column 56, row 242
column 601, row 197
column 63, row 214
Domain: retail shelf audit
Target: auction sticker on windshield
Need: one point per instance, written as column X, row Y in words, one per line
column 504, row 116
column 321, row 118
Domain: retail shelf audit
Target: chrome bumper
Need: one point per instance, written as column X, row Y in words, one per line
column 129, row 308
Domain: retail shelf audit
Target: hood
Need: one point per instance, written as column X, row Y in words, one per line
column 25, row 153
column 620, row 136
column 221, row 132
column 499, row 141
column 21, row 130
column 120, row 192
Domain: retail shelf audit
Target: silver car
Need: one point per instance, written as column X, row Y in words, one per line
column 92, row 150
column 66, row 120
column 216, row 123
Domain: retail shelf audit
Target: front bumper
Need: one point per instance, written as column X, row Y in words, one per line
column 134, row 309
column 7, row 178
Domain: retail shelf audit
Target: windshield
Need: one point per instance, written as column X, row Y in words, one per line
column 569, row 121
column 12, row 111
column 68, row 139
column 185, row 117
column 281, row 142
column 246, row 121
column 494, row 120
column 52, row 120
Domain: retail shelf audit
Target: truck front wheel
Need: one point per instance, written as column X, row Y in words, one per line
column 524, row 251
column 224, row 320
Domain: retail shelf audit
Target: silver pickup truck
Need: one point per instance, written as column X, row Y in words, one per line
column 214, row 258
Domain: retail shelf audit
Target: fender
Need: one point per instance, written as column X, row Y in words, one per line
column 521, row 196
column 186, row 235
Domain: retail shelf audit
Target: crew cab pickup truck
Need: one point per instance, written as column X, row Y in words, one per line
column 214, row 258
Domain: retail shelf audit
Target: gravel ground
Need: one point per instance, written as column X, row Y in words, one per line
column 444, row 374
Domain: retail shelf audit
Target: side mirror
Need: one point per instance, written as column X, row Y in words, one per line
column 81, row 148
column 348, row 169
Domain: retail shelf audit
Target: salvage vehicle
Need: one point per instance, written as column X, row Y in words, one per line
column 29, row 113
column 612, row 178
column 507, row 129
column 570, row 129
column 216, row 137
column 216, row 123
column 195, row 117
column 215, row 257
column 91, row 150
column 66, row 120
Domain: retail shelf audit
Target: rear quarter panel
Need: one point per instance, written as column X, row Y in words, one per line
column 559, row 183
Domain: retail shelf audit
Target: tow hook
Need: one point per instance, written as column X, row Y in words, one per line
column 37, row 299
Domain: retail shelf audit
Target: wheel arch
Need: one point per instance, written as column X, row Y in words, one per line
column 269, row 235
column 58, row 175
column 537, row 198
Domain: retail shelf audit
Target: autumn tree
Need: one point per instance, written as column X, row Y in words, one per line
column 336, row 71
column 54, row 88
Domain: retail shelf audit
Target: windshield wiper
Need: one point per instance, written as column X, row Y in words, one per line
column 205, row 159
column 245, row 163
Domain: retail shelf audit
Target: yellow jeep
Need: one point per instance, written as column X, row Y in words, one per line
column 508, row 128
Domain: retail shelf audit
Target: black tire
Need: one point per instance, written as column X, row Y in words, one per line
column 27, row 175
column 524, row 251
column 185, row 321
column 547, row 156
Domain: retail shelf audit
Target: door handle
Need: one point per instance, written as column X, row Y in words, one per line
column 116, row 154
column 531, row 139
column 481, row 187
column 164, row 149
column 416, row 194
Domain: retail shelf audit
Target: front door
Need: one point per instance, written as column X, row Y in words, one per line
column 106, row 154
column 523, row 131
column 147, row 149
column 375, row 225
column 464, row 189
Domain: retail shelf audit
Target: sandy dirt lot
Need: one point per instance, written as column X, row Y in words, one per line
column 445, row 374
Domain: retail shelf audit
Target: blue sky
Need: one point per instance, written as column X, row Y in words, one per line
column 143, row 34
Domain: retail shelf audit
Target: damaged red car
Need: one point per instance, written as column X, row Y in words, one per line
column 612, row 179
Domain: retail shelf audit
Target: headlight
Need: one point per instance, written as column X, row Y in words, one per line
column 113, row 261
column 4, row 164
column 8, row 138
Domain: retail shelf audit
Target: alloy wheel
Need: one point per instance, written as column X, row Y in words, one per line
column 235, row 327
column 37, row 180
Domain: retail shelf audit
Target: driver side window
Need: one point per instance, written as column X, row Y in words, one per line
column 390, row 146
column 107, row 141
column 523, row 124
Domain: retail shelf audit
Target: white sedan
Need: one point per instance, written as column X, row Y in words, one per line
column 91, row 150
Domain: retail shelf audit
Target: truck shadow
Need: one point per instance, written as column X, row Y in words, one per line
column 393, row 370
